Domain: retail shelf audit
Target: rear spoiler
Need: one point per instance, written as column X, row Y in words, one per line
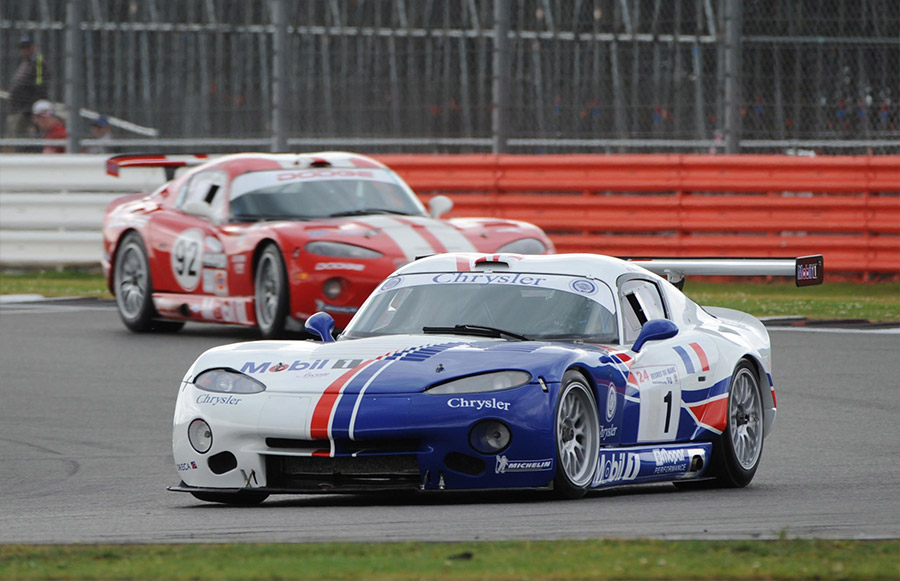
column 806, row 270
column 168, row 162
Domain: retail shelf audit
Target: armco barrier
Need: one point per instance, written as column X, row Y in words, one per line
column 847, row 208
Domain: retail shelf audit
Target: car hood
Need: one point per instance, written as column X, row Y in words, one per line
column 389, row 364
column 411, row 236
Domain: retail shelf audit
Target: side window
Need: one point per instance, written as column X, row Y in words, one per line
column 209, row 187
column 641, row 302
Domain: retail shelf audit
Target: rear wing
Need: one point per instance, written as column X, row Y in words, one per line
column 168, row 162
column 806, row 270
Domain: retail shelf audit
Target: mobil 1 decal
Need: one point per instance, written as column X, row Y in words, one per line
column 187, row 258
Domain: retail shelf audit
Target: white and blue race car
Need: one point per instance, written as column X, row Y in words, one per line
column 472, row 372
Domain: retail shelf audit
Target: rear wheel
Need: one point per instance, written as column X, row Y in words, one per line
column 241, row 498
column 577, row 430
column 737, row 452
column 132, row 283
column 271, row 290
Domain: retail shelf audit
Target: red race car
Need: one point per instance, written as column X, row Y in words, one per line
column 267, row 240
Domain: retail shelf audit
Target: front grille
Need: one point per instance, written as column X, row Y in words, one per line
column 381, row 446
column 304, row 473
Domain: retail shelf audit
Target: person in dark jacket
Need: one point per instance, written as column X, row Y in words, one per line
column 29, row 84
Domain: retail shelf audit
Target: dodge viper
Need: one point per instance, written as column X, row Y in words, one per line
column 470, row 371
column 267, row 240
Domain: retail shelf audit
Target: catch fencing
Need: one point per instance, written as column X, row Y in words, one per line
column 846, row 208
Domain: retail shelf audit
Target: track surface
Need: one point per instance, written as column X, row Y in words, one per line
column 85, row 456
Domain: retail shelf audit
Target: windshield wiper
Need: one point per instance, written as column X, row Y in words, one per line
column 478, row 330
column 367, row 211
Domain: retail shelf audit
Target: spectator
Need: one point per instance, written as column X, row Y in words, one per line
column 29, row 84
column 49, row 125
column 102, row 132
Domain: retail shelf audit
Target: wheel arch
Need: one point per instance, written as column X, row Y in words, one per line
column 765, row 388
column 258, row 250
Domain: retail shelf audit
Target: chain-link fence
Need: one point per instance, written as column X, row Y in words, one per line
column 419, row 75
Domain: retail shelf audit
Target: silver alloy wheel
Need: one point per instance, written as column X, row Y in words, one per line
column 268, row 285
column 131, row 281
column 577, row 434
column 745, row 418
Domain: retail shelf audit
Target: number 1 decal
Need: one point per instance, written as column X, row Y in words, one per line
column 668, row 400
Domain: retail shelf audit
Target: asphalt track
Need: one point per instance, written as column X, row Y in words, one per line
column 85, row 457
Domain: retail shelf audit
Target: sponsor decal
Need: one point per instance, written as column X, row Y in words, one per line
column 807, row 271
column 186, row 258
column 487, row 278
column 610, row 403
column 504, row 465
column 391, row 283
column 217, row 309
column 215, row 282
column 298, row 365
column 184, row 466
column 617, row 467
column 340, row 266
column 583, row 286
column 478, row 404
column 657, row 374
column 608, row 431
column 215, row 260
column 320, row 174
column 668, row 461
column 207, row 399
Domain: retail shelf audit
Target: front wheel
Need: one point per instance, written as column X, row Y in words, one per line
column 577, row 430
column 271, row 290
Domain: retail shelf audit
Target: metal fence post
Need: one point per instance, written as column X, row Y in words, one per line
column 733, row 94
column 74, row 79
column 279, row 77
column 499, row 113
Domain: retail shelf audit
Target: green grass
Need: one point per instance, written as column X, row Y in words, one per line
column 592, row 559
column 834, row 300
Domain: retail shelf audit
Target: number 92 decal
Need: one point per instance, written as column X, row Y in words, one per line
column 187, row 258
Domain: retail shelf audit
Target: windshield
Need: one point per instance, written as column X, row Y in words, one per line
column 509, row 305
column 320, row 193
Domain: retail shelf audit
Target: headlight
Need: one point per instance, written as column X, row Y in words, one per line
column 524, row 246
column 200, row 436
column 341, row 250
column 486, row 382
column 227, row 381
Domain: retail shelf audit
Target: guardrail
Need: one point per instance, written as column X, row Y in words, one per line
column 847, row 208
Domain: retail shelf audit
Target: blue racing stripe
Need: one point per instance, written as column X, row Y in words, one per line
column 686, row 358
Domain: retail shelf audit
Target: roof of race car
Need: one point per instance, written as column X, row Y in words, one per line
column 596, row 266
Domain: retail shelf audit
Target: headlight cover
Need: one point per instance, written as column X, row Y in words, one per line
column 341, row 250
column 224, row 380
column 482, row 383
column 524, row 246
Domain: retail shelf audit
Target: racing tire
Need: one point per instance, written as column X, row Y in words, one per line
column 737, row 452
column 133, row 285
column 577, row 432
column 241, row 498
column 271, row 293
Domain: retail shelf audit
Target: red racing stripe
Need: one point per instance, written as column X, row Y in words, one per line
column 704, row 362
column 425, row 233
column 318, row 426
column 462, row 264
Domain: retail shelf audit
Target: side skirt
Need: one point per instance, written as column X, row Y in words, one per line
column 660, row 463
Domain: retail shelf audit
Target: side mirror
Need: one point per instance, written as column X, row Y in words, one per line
column 655, row 330
column 439, row 205
column 199, row 208
column 321, row 324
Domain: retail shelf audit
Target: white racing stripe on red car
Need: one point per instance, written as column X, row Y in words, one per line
column 419, row 236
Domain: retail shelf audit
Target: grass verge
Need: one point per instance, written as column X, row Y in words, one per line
column 834, row 300
column 593, row 559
